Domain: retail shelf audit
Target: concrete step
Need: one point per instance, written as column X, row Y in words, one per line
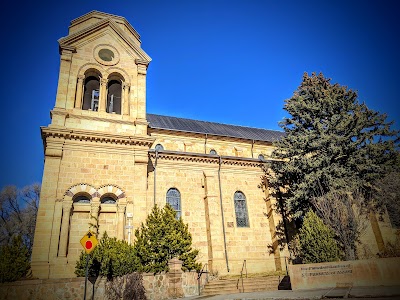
column 230, row 286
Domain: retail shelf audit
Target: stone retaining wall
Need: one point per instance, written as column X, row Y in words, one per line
column 171, row 285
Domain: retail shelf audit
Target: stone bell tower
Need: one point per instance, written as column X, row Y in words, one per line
column 96, row 147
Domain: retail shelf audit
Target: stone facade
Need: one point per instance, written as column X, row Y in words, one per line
column 100, row 161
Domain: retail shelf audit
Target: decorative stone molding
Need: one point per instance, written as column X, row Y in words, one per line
column 141, row 122
column 66, row 53
column 121, row 72
column 96, row 137
column 142, row 66
column 94, row 206
column 205, row 158
column 111, row 189
column 96, row 194
column 107, row 22
column 103, row 82
column 78, row 189
column 82, row 70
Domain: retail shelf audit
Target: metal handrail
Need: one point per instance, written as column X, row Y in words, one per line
column 201, row 273
column 244, row 265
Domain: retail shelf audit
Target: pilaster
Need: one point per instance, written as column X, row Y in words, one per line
column 120, row 220
column 79, row 92
column 125, row 99
column 141, row 90
column 63, row 78
column 213, row 222
column 66, row 216
column 103, row 95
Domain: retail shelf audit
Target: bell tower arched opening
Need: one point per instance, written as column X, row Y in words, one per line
column 114, row 92
column 91, row 91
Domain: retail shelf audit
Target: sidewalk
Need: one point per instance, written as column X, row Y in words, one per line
column 388, row 292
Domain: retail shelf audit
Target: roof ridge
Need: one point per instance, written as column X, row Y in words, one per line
column 216, row 123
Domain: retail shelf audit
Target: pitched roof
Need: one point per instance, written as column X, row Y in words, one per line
column 211, row 128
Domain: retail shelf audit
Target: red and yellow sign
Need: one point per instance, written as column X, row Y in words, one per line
column 89, row 242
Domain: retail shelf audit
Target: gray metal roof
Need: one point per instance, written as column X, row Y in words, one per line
column 211, row 128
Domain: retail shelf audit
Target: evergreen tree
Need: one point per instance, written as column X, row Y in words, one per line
column 317, row 243
column 332, row 143
column 14, row 260
column 109, row 259
column 387, row 193
column 163, row 237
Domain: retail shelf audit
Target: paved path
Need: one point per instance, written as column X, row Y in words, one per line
column 384, row 292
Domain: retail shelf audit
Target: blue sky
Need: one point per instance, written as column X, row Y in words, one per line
column 227, row 61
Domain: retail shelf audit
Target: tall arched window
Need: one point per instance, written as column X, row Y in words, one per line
column 174, row 199
column 242, row 217
column 114, row 97
column 91, row 93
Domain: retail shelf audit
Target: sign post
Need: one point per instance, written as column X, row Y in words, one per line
column 88, row 242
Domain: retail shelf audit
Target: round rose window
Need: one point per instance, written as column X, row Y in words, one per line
column 106, row 54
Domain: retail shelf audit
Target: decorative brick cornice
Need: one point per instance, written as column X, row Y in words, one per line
column 206, row 158
column 95, row 137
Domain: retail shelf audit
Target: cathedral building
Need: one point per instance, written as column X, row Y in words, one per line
column 107, row 158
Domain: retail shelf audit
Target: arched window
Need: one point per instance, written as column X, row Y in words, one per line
column 81, row 199
column 261, row 157
column 108, row 199
column 114, row 89
column 174, row 199
column 159, row 147
column 91, row 93
column 242, row 218
column 213, row 152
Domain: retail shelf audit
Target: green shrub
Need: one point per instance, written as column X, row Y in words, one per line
column 161, row 238
column 109, row 259
column 14, row 260
column 317, row 242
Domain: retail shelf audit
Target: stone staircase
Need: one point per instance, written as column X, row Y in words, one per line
column 233, row 286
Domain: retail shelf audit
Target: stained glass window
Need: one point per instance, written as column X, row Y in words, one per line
column 174, row 199
column 242, row 218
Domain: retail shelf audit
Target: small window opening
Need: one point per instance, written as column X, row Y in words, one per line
column 261, row 157
column 159, row 147
column 213, row 152
column 81, row 199
column 108, row 200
